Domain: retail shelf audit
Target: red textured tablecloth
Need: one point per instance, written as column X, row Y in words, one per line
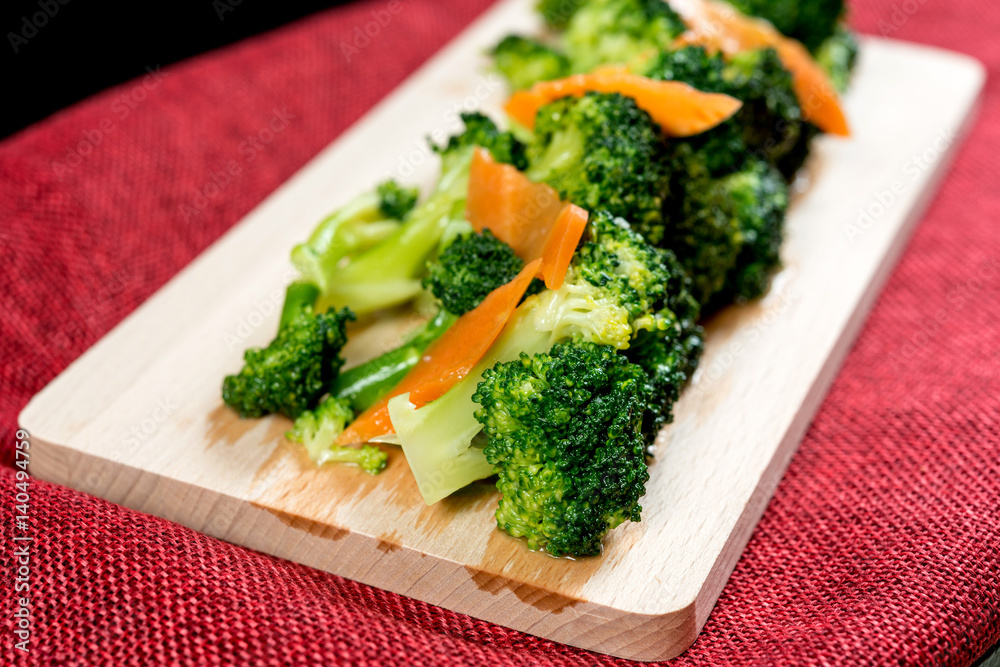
column 880, row 546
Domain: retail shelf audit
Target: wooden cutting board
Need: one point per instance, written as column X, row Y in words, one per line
column 138, row 419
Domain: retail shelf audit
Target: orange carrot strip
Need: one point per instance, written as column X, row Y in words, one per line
column 517, row 210
column 448, row 359
column 677, row 108
column 721, row 27
column 562, row 242
column 527, row 216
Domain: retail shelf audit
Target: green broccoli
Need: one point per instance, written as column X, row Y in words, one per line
column 837, row 56
column 602, row 152
column 726, row 231
column 318, row 429
column 523, row 61
column 616, row 287
column 809, row 22
column 626, row 32
column 557, row 13
column 460, row 278
column 563, row 432
column 293, row 372
column 363, row 222
column 389, row 273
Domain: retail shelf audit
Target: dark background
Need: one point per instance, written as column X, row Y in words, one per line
column 86, row 46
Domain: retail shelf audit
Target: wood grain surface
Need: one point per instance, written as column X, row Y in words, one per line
column 138, row 419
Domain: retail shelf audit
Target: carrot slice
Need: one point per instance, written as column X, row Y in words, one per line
column 527, row 216
column 517, row 210
column 676, row 107
column 562, row 242
column 448, row 359
column 719, row 26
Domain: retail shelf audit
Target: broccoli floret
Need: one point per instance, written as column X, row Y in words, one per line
column 626, row 32
column 318, row 430
column 523, row 61
column 809, row 22
column 563, row 431
column 616, row 286
column 770, row 118
column 837, row 56
column 469, row 269
column 390, row 272
column 602, row 152
column 758, row 196
column 293, row 372
column 395, row 201
column 726, row 231
column 363, row 222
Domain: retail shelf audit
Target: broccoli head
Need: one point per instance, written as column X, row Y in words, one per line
column 293, row 372
column 626, row 32
column 602, row 152
column 395, row 201
column 479, row 130
column 726, row 231
column 469, row 269
column 563, row 431
column 809, row 22
column 758, row 197
column 318, row 429
column 770, row 118
column 557, row 13
column 524, row 61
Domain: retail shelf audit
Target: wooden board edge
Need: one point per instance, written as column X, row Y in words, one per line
column 374, row 561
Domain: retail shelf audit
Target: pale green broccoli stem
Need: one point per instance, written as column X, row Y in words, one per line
column 437, row 439
column 358, row 225
column 389, row 273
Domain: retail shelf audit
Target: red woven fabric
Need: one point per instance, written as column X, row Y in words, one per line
column 880, row 546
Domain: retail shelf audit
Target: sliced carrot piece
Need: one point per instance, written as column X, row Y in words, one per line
column 527, row 216
column 676, row 107
column 721, row 27
column 517, row 210
column 448, row 359
column 561, row 245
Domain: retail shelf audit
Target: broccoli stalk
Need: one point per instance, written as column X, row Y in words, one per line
column 363, row 222
column 389, row 273
column 318, row 429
